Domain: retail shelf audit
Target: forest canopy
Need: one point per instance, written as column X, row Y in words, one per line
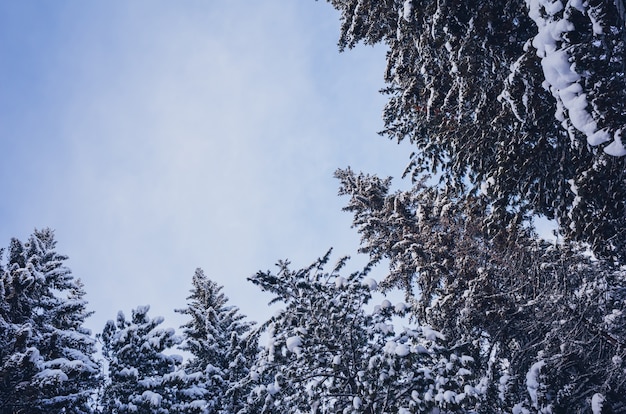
column 516, row 109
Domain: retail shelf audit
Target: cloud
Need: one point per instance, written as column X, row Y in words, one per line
column 198, row 134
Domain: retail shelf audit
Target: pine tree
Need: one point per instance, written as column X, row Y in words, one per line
column 217, row 338
column 545, row 321
column 523, row 97
column 518, row 107
column 50, row 364
column 327, row 354
column 142, row 377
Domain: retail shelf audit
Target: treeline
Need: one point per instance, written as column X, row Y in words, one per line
column 508, row 324
column 518, row 108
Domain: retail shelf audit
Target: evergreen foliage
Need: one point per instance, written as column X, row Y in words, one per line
column 327, row 354
column 142, row 377
column 545, row 322
column 217, row 338
column 518, row 107
column 525, row 98
column 48, row 359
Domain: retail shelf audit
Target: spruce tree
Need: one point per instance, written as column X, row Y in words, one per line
column 327, row 354
column 142, row 377
column 543, row 322
column 218, row 339
column 50, row 365
column 522, row 98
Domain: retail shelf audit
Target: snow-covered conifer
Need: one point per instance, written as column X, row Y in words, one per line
column 522, row 97
column 327, row 354
column 50, row 364
column 142, row 376
column 543, row 322
column 217, row 338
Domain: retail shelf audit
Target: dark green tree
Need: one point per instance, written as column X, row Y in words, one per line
column 49, row 363
column 142, row 376
column 217, row 336
column 327, row 354
column 522, row 98
column 545, row 322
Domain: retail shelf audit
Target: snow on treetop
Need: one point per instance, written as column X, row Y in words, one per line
column 597, row 401
column 340, row 282
column 370, row 283
column 431, row 334
column 142, row 310
column 294, row 344
column 400, row 307
column 532, row 381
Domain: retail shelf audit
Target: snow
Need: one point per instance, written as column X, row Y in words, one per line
column 273, row 388
column 612, row 317
column 518, row 409
column 390, row 347
column 356, row 402
column 152, row 398
column 532, row 381
column 129, row 372
column 407, row 10
column 561, row 78
column 469, row 390
column 502, row 386
column 400, row 307
column 593, row 14
column 370, row 283
column 341, row 282
column 294, row 344
column 449, row 396
column 431, row 334
column 49, row 375
column 141, row 310
column 484, row 186
column 420, row 349
column 402, row 350
column 200, row 405
column 597, row 401
column 465, row 359
column 150, row 382
column 616, row 148
column 385, row 328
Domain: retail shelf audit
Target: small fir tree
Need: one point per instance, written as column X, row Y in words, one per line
column 50, row 365
column 142, row 377
column 327, row 354
column 217, row 338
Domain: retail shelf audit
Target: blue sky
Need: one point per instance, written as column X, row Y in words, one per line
column 157, row 136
